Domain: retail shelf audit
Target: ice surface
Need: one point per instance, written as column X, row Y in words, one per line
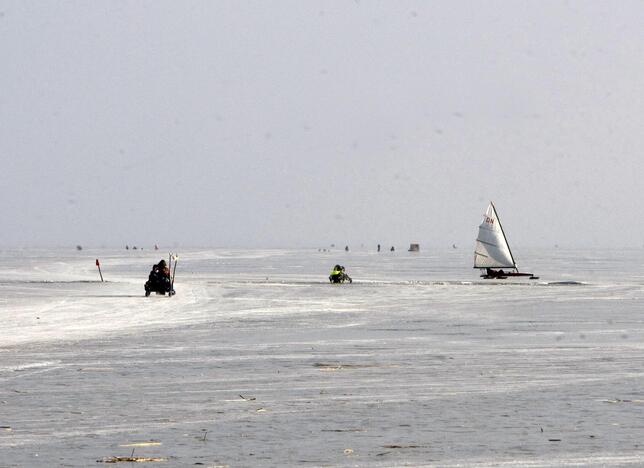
column 259, row 361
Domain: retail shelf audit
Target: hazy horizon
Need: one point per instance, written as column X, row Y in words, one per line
column 301, row 124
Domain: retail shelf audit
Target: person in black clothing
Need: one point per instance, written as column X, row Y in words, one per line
column 159, row 280
column 494, row 273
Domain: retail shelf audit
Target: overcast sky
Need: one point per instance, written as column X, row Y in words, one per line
column 305, row 123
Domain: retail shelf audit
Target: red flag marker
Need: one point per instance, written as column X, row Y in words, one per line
column 98, row 264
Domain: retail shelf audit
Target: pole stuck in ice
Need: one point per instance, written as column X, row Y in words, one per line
column 174, row 272
column 98, row 264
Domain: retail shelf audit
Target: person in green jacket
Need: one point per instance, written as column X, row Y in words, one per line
column 338, row 275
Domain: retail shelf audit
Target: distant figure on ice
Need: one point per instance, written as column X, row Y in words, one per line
column 159, row 280
column 346, row 248
column 378, row 247
column 392, row 248
column 338, row 275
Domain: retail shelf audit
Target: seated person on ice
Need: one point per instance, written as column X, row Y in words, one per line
column 338, row 275
column 159, row 280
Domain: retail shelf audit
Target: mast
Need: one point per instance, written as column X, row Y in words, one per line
column 504, row 237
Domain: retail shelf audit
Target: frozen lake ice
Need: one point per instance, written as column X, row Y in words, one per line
column 259, row 361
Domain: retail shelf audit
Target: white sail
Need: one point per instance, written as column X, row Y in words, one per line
column 492, row 249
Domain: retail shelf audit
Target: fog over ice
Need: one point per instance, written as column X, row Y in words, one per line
column 304, row 123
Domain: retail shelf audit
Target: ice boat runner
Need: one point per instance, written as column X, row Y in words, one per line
column 492, row 251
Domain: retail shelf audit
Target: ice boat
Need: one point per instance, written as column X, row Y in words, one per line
column 492, row 254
